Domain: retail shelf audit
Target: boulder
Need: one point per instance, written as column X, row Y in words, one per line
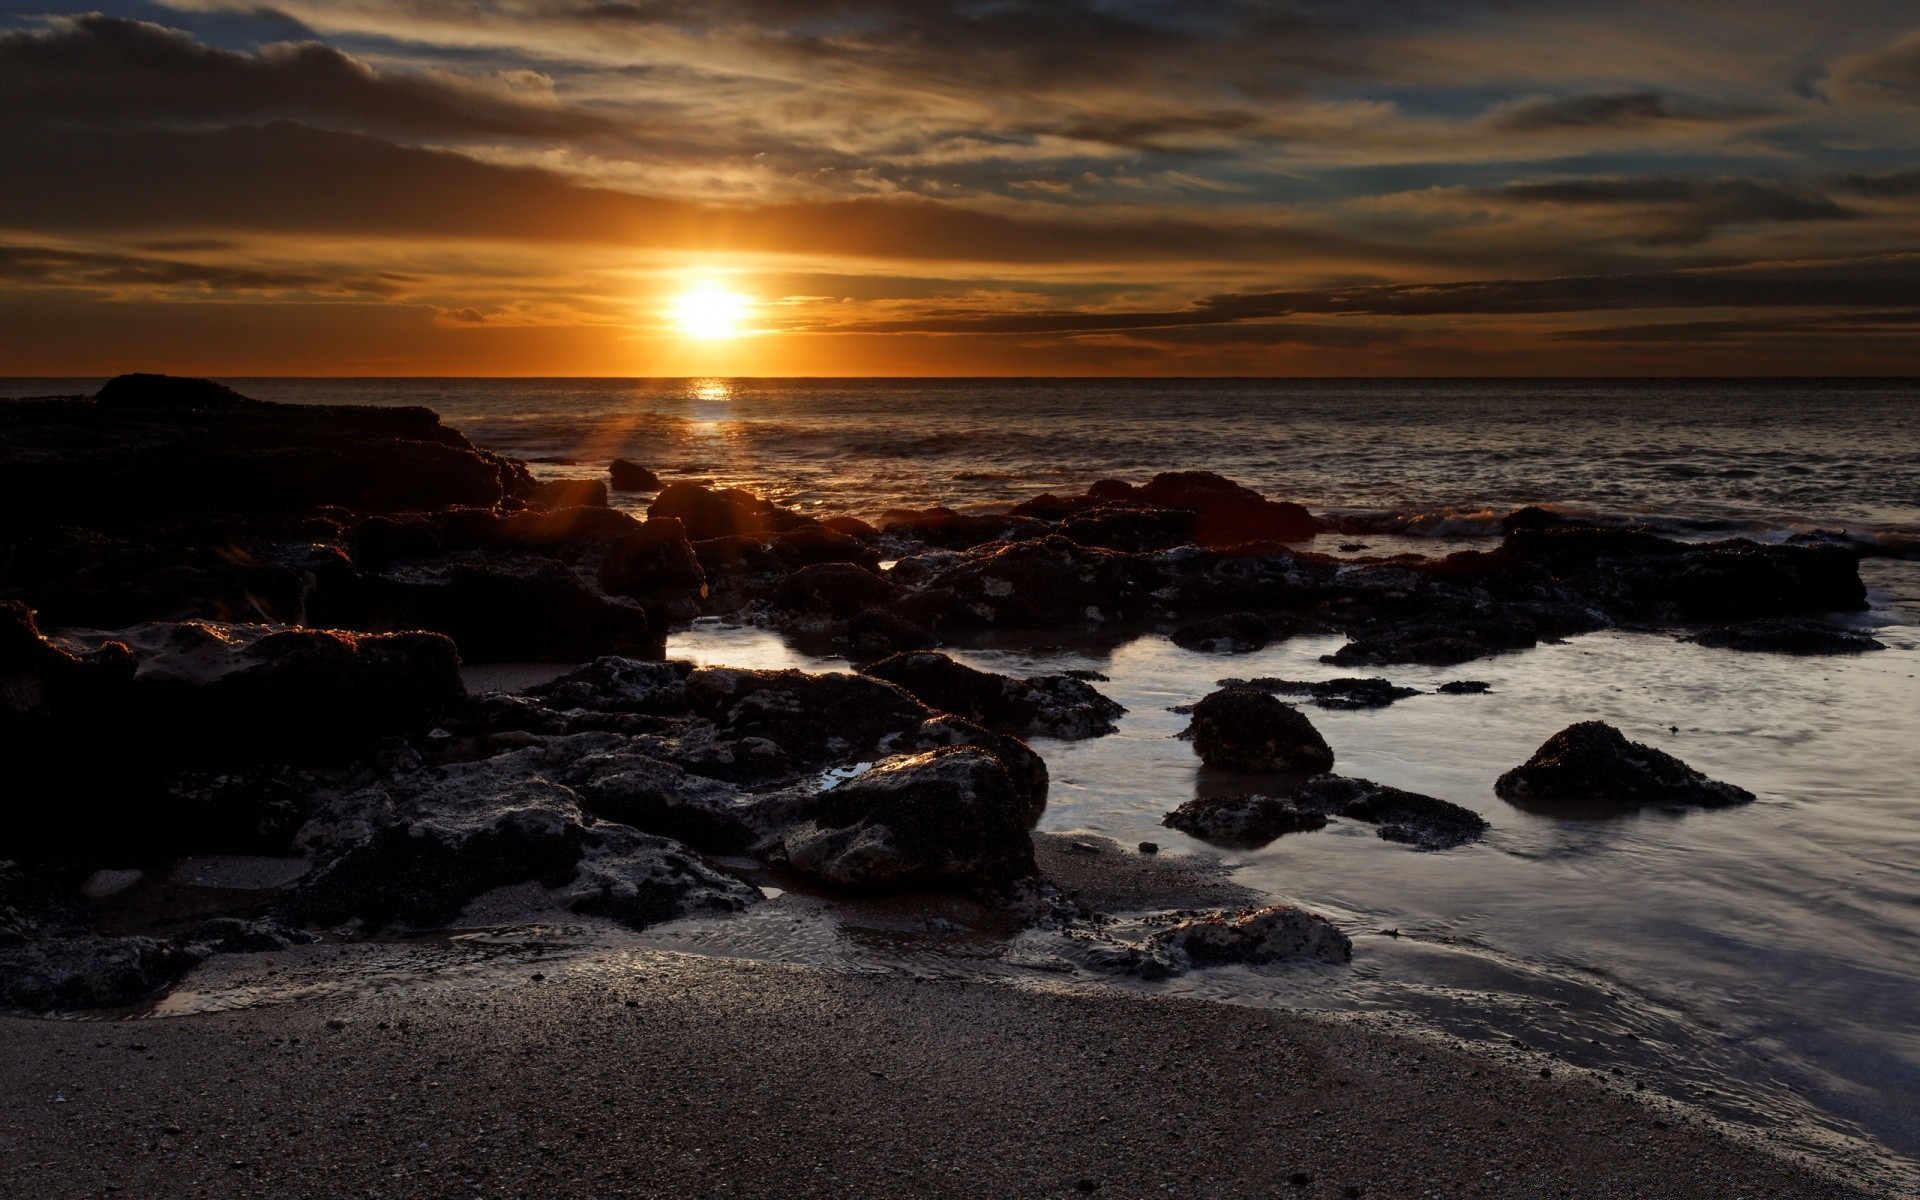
column 1420, row 821
column 811, row 544
column 1342, row 693
column 1465, row 687
column 1281, row 933
column 1242, row 820
column 948, row 817
column 1593, row 761
column 1238, row 729
column 1047, row 583
column 89, row 971
column 628, row 476
column 948, row 530
column 1131, row 529
column 615, row 684
column 833, row 589
column 739, row 571
column 812, row 720
column 571, row 493
column 727, row 512
column 1786, row 635
column 1228, row 513
column 656, row 567
column 1026, row 769
column 1059, row 706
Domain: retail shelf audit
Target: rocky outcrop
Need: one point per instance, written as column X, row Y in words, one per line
column 835, row 590
column 1234, row 633
column 1594, row 762
column 1343, row 693
column 1048, row 583
column 655, row 566
column 1046, row 706
column 87, row 971
column 1786, row 635
column 726, row 512
column 1423, row 822
column 625, row 475
column 1249, row 821
column 1280, row 933
column 570, row 493
column 947, row 817
column 1238, row 729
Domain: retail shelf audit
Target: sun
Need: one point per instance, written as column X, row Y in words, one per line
column 710, row 312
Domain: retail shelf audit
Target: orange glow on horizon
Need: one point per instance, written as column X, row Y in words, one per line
column 711, row 313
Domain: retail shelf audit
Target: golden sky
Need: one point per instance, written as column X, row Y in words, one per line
column 890, row 187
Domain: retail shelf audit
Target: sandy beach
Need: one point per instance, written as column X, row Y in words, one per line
column 683, row 1076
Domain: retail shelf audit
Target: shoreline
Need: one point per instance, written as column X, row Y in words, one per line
column 694, row 1076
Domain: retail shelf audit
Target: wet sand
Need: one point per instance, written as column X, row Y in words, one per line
column 672, row 1075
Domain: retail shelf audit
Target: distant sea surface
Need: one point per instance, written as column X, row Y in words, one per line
column 1762, row 962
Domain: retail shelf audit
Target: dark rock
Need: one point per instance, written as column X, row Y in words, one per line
column 232, row 935
column 1228, row 513
column 628, row 476
column 614, row 684
column 247, row 810
column 655, row 566
column 1149, row 847
column 1421, row 821
column 815, row 720
column 1465, row 687
column 1130, row 529
column 852, row 527
column 949, row 530
column 739, row 571
column 876, row 633
column 153, row 448
column 1343, row 693
column 89, row 971
column 1048, row 583
column 810, row 545
column 1243, row 730
column 728, row 512
column 1026, row 769
column 1593, row 761
column 1048, row 706
column 834, row 589
column 571, row 493
column 1283, row 932
column 1234, row 633
column 660, row 798
column 1787, row 635
column 1243, row 820
column 946, row 817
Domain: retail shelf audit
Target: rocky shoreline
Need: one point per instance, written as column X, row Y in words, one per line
column 235, row 628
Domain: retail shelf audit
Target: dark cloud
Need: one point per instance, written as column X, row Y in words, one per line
column 1667, row 211
column 1895, row 185
column 1879, row 283
column 101, row 270
column 1616, row 111
column 105, row 70
column 1892, row 72
column 1763, row 329
column 291, row 178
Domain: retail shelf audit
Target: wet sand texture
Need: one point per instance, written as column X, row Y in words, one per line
column 684, row 1077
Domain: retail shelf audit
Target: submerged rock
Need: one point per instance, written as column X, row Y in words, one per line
column 1343, row 693
column 1787, row 635
column 1593, row 761
column 1465, row 687
column 1424, row 822
column 1045, row 706
column 946, row 817
column 1239, row 729
column 1243, row 820
column 1234, row 633
column 628, row 476
column 1282, row 932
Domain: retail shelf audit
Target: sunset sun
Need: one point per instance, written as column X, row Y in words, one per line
column 711, row 313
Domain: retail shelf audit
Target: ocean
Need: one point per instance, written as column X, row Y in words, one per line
column 1761, row 962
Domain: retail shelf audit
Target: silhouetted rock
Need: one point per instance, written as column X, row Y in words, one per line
column 949, row 530
column 1242, row 820
column 571, row 493
column 876, row 633
column 1787, row 635
column 1281, row 933
column 1047, row 583
column 810, row 719
column 1593, row 761
column 727, row 512
column 853, row 527
column 615, row 684
column 1343, row 693
column 656, row 567
column 1239, row 729
column 1234, row 633
column 946, row 817
column 1229, row 514
column 1058, row 706
column 1131, row 529
column 810, row 545
column 153, row 448
column 628, row 476
column 1465, row 687
column 833, row 589
column 1422, row 821
column 739, row 570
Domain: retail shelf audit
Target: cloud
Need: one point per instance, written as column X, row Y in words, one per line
column 109, row 71
column 1672, row 211
column 1891, row 72
column 60, row 267
column 1617, row 111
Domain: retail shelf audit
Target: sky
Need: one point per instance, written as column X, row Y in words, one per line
column 998, row 187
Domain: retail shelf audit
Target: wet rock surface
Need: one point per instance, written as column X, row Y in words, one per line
column 1239, row 729
column 1243, row 820
column 1045, row 706
column 1594, row 762
column 1786, row 635
column 1344, row 693
column 1278, row 933
column 1424, row 822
